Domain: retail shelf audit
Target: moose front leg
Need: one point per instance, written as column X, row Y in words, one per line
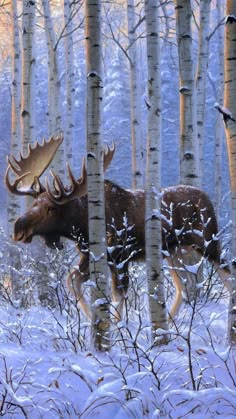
column 119, row 286
column 75, row 281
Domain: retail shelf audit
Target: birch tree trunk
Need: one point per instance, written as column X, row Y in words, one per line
column 230, row 130
column 13, row 208
column 189, row 170
column 135, row 97
column 28, row 134
column 16, row 82
column 54, row 111
column 97, row 227
column 70, row 84
column 28, row 70
column 190, row 90
column 201, row 77
column 14, row 204
column 53, row 72
column 218, row 126
column 153, row 227
column 28, row 85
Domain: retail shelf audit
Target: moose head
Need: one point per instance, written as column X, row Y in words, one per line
column 51, row 215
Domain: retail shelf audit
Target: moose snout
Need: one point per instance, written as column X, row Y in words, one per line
column 18, row 229
column 21, row 233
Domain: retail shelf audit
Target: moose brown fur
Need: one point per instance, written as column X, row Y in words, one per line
column 188, row 223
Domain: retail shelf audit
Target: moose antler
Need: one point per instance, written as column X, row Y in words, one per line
column 29, row 168
column 77, row 188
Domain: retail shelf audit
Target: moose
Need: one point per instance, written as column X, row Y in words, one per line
column 188, row 221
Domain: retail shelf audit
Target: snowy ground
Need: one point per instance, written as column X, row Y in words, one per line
column 48, row 370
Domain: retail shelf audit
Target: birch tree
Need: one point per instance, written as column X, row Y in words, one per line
column 219, row 126
column 28, row 70
column 13, row 208
column 16, row 79
column 14, row 204
column 153, row 226
column 229, row 115
column 54, row 110
column 28, row 116
column 189, row 170
column 54, row 113
column 97, row 227
column 189, row 147
column 28, row 129
column 201, row 77
column 135, row 93
column 70, row 79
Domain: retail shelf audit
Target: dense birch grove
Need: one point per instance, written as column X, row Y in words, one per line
column 151, row 77
column 118, row 209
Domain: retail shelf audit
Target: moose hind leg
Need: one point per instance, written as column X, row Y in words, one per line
column 225, row 276
column 183, row 279
column 120, row 284
column 74, row 283
column 179, row 288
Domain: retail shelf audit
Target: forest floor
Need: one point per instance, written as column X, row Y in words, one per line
column 48, row 370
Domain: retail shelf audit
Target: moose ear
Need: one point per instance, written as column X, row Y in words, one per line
column 108, row 154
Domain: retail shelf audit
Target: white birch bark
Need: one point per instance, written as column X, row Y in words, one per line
column 97, row 227
column 54, row 111
column 28, row 73
column 153, row 228
column 14, row 203
column 219, row 126
column 28, row 115
column 28, row 94
column 16, row 80
column 230, row 130
column 189, row 170
column 201, row 77
column 70, row 76
column 135, row 97
column 13, row 208
column 53, row 72
column 28, row 78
